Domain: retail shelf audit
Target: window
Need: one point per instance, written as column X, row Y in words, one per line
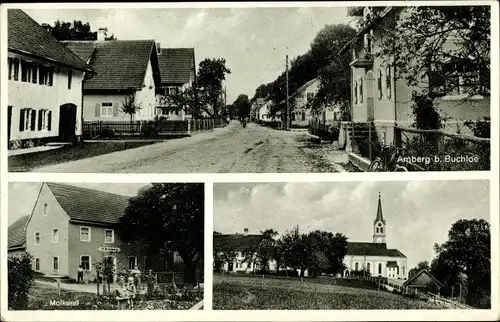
column 27, row 119
column 310, row 96
column 361, row 89
column 15, row 66
column 46, row 75
column 377, row 230
column 11, row 66
column 85, row 262
column 70, row 76
column 303, row 116
column 238, row 264
column 109, row 236
column 26, row 71
column 380, row 268
column 379, row 84
column 55, row 263
column 35, row 71
column 368, row 267
column 55, row 235
column 44, row 121
column 132, row 262
column 403, row 270
column 356, row 92
column 85, row 234
column 36, row 241
column 37, row 264
column 388, row 81
column 107, row 109
column 356, row 266
column 381, row 230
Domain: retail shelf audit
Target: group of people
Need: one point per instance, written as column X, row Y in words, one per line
column 126, row 291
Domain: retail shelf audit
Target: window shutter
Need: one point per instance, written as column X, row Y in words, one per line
column 115, row 109
column 40, row 116
column 33, row 119
column 21, row 119
column 97, row 109
column 49, row 123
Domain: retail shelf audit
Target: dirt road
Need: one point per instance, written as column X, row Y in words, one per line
column 233, row 149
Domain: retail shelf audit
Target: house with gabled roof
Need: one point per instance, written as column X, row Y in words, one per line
column 71, row 226
column 44, row 85
column 375, row 257
column 178, row 73
column 124, row 70
column 243, row 245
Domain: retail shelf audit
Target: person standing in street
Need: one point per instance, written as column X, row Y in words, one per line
column 80, row 274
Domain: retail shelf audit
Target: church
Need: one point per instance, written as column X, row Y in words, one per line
column 375, row 257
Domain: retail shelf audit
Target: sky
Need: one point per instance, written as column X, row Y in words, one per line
column 254, row 41
column 22, row 195
column 417, row 213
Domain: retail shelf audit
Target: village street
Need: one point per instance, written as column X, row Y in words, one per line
column 233, row 149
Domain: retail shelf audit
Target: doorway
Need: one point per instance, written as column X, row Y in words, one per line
column 67, row 122
column 230, row 267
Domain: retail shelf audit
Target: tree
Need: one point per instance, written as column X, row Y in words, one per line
column 295, row 251
column 211, row 74
column 438, row 48
column 467, row 251
column 130, row 108
column 242, row 106
column 73, row 31
column 20, row 280
column 266, row 249
column 420, row 266
column 166, row 218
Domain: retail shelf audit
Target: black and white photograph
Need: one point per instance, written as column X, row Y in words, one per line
column 105, row 246
column 389, row 245
column 249, row 89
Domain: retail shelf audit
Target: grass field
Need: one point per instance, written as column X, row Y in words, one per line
column 250, row 293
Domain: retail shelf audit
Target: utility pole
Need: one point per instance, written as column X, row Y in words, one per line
column 288, row 116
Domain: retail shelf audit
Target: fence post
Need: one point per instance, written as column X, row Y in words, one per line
column 97, row 282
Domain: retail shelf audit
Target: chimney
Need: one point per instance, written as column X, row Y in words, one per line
column 245, row 232
column 101, row 34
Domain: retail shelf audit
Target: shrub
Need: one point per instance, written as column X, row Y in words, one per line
column 20, row 279
column 107, row 132
column 480, row 128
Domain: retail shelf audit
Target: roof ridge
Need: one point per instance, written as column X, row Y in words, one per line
column 85, row 189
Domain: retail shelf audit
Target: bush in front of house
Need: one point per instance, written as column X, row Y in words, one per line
column 20, row 279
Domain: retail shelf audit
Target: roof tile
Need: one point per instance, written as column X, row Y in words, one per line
column 27, row 36
column 176, row 65
column 16, row 234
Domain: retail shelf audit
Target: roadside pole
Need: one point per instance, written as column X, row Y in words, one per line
column 288, row 116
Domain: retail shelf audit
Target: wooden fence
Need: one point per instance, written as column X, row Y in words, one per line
column 106, row 129
column 325, row 129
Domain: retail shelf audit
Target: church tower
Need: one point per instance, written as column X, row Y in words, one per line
column 379, row 225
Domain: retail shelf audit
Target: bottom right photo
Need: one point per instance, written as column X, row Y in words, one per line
column 384, row 245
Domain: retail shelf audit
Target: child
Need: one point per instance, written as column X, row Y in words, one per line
column 136, row 274
column 122, row 295
column 131, row 290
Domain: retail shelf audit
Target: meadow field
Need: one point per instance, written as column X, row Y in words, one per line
column 239, row 292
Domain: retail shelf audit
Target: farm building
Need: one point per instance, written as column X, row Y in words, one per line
column 423, row 280
column 71, row 226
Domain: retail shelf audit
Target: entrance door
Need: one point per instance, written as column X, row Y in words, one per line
column 230, row 267
column 9, row 122
column 369, row 84
column 67, row 122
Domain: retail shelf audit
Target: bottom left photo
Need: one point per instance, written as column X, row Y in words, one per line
column 105, row 246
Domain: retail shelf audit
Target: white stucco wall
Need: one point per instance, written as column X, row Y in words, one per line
column 28, row 95
column 146, row 96
column 374, row 261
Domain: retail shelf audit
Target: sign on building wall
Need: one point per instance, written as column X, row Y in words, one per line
column 109, row 249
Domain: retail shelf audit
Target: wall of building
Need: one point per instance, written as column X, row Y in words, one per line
column 374, row 261
column 146, row 96
column 29, row 95
column 39, row 222
column 77, row 248
column 90, row 101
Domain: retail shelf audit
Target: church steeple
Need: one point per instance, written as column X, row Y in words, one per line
column 379, row 224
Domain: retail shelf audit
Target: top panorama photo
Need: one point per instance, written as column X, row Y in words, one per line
column 249, row 90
